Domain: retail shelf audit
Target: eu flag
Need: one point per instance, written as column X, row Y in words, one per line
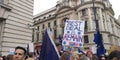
column 48, row 49
column 100, row 47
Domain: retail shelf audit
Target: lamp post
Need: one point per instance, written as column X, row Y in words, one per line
column 94, row 11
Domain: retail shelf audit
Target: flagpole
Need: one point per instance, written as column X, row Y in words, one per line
column 98, row 37
column 94, row 11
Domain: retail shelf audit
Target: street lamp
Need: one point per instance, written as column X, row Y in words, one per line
column 94, row 11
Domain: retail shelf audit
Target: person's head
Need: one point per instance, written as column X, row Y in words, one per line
column 31, row 55
column 115, row 55
column 103, row 58
column 89, row 54
column 64, row 56
column 9, row 57
column 20, row 53
column 59, row 47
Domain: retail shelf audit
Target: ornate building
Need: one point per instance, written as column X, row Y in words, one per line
column 55, row 17
column 14, row 18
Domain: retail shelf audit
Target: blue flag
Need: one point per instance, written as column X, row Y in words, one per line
column 48, row 50
column 80, row 51
column 100, row 47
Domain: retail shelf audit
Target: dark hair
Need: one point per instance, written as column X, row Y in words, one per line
column 19, row 47
column 57, row 44
column 31, row 54
column 114, row 54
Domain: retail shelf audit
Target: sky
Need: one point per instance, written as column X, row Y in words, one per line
column 42, row 5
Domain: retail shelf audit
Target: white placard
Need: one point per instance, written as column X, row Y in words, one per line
column 73, row 33
column 31, row 47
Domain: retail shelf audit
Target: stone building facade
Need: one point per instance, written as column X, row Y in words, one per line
column 15, row 15
column 55, row 17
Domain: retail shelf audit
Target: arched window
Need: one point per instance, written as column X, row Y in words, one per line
column 43, row 26
column 63, row 24
column 55, row 23
column 86, row 40
column 49, row 24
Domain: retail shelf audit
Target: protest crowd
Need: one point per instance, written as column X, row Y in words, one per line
column 55, row 51
column 21, row 54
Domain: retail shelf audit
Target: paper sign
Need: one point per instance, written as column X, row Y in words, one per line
column 73, row 33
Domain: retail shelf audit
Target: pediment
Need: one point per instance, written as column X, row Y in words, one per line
column 63, row 9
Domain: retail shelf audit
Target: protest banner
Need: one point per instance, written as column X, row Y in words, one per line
column 73, row 33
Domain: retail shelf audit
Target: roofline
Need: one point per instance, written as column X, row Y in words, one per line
column 44, row 12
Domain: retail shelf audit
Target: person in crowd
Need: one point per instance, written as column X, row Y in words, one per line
column 36, row 54
column 103, row 57
column 114, row 55
column 4, row 57
column 1, row 57
column 20, row 53
column 91, row 56
column 59, row 47
column 84, row 57
column 9, row 57
column 76, row 55
column 31, row 56
column 65, row 56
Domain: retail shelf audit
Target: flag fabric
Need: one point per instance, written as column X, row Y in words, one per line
column 48, row 50
column 80, row 51
column 100, row 47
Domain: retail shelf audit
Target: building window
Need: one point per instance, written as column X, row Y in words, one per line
column 49, row 24
column 63, row 24
column 82, row 1
column 86, row 26
column 55, row 23
column 83, row 12
column 94, row 10
column 86, row 39
column 38, row 33
column 37, row 36
column 38, row 28
column 42, row 35
column 33, row 35
column 1, row 1
column 43, row 26
column 55, row 34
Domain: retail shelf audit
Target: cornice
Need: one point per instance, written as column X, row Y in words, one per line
column 6, row 6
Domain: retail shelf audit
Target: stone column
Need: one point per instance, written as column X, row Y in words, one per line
column 101, row 25
column 114, row 28
column 105, row 22
column 59, row 28
column 90, row 20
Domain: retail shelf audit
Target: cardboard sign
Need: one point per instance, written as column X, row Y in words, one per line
column 73, row 33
